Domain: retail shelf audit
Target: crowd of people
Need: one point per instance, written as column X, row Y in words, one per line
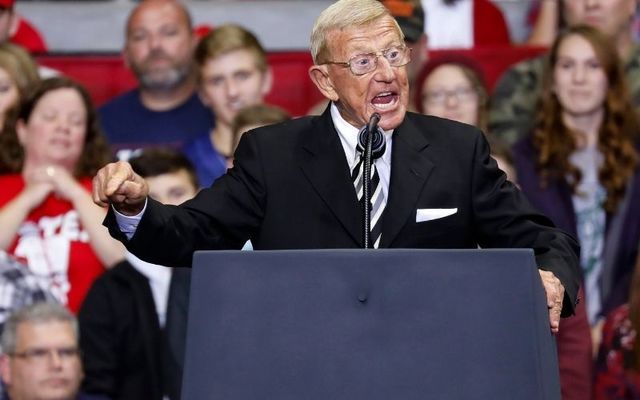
column 103, row 322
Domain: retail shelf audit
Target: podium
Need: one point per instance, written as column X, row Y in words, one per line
column 369, row 324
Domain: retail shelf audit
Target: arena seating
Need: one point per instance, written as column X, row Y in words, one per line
column 106, row 76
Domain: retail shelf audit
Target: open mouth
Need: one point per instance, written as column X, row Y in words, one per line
column 385, row 101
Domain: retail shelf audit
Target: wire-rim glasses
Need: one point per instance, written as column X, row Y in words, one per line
column 360, row 64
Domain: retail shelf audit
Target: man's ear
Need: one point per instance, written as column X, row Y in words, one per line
column 5, row 369
column 320, row 77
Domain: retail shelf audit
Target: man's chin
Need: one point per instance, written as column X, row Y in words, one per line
column 162, row 81
column 57, row 393
column 391, row 120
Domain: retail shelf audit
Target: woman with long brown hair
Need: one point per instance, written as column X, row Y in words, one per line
column 580, row 164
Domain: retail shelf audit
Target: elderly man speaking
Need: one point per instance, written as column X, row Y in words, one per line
column 297, row 185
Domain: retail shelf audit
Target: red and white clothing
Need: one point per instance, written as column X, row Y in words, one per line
column 54, row 245
column 28, row 36
column 464, row 24
column 615, row 377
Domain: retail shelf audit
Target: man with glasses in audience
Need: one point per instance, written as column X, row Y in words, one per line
column 40, row 356
column 295, row 185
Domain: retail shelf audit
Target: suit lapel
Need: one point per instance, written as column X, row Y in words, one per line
column 410, row 169
column 324, row 164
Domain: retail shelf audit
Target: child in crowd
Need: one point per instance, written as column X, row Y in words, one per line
column 233, row 74
column 253, row 117
column 134, row 319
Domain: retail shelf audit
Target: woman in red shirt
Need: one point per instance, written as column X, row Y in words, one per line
column 49, row 152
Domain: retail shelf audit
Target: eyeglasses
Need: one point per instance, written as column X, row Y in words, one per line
column 41, row 355
column 461, row 94
column 361, row 64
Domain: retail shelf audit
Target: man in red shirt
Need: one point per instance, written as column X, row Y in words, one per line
column 18, row 30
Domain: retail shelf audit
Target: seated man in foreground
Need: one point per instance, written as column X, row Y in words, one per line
column 40, row 355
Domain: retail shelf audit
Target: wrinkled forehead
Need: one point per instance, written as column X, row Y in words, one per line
column 372, row 36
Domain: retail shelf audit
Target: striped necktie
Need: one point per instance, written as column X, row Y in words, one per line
column 378, row 200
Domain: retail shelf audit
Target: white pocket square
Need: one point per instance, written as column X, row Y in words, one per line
column 429, row 214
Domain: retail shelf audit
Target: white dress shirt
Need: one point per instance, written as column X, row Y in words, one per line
column 159, row 280
column 349, row 138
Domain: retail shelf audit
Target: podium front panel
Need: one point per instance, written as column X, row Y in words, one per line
column 369, row 324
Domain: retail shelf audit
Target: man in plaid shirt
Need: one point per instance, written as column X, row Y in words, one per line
column 18, row 287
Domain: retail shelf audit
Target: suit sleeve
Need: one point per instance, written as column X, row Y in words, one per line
column 505, row 219
column 224, row 216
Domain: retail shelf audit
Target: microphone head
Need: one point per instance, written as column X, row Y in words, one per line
column 378, row 141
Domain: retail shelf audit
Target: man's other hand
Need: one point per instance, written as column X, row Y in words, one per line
column 555, row 295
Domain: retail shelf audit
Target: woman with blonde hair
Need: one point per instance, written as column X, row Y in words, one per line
column 18, row 71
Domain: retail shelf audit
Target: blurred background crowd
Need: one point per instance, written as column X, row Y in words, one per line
column 172, row 86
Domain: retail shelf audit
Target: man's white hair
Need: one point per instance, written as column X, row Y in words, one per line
column 345, row 14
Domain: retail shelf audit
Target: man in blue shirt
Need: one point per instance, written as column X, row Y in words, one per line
column 165, row 109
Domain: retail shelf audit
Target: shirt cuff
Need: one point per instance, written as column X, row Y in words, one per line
column 129, row 223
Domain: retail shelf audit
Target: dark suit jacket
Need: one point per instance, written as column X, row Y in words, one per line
column 290, row 189
column 124, row 353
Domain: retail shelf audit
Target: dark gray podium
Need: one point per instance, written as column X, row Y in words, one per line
column 369, row 324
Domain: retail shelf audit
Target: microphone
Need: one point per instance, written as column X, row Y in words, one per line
column 378, row 142
column 370, row 131
column 373, row 122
